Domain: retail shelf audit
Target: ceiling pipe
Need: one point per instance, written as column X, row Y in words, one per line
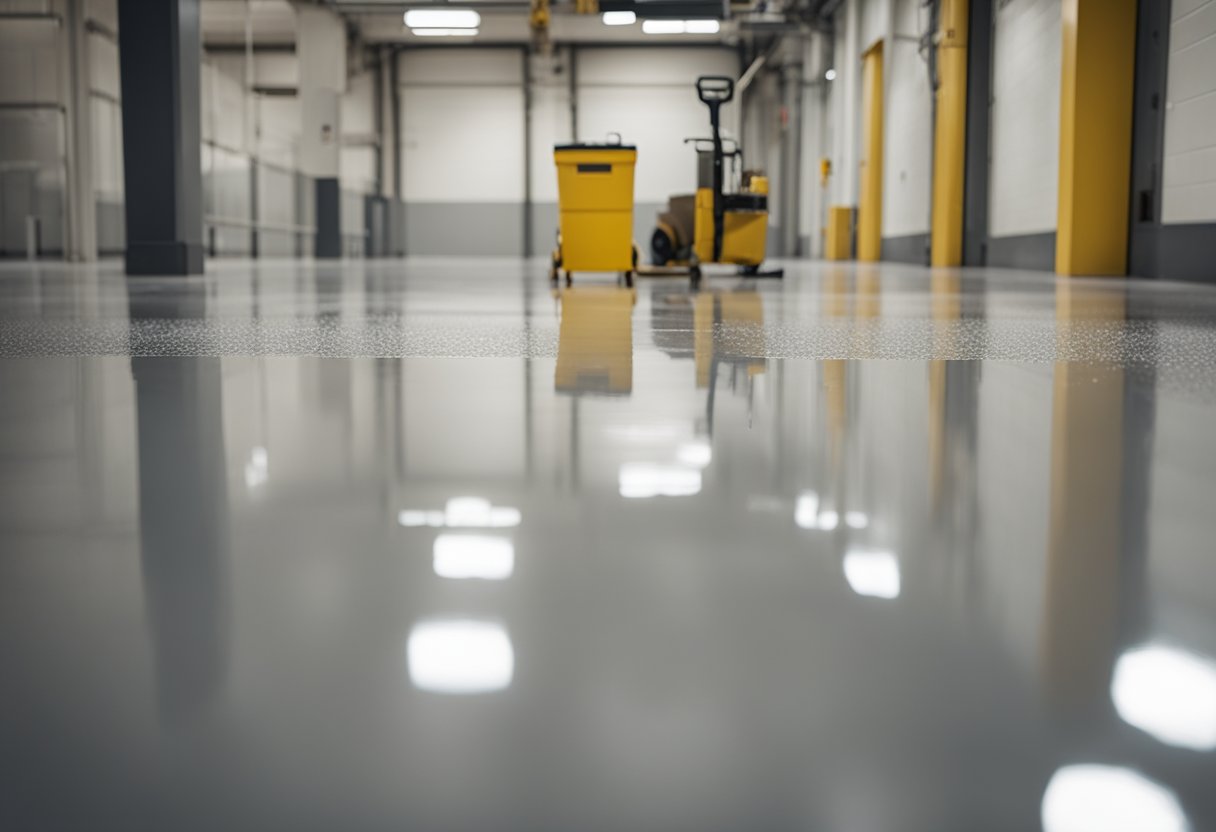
column 745, row 81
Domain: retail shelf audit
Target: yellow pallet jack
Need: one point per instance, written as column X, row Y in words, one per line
column 726, row 227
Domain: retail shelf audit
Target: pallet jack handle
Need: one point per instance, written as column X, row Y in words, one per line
column 714, row 91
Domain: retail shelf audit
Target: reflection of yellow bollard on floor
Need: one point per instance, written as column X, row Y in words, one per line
column 1081, row 613
column 595, row 341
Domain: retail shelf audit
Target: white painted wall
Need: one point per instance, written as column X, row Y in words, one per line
column 550, row 120
column 846, row 105
column 357, row 165
column 1189, row 170
column 647, row 96
column 36, row 91
column 762, row 137
column 815, row 133
column 321, row 47
column 278, row 134
column 462, row 125
column 874, row 21
column 1023, row 186
column 29, row 65
column 908, row 133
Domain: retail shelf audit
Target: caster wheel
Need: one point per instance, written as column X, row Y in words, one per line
column 569, row 278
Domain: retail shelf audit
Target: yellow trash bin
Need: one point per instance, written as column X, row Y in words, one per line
column 595, row 197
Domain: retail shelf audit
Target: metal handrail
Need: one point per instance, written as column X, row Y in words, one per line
column 236, row 222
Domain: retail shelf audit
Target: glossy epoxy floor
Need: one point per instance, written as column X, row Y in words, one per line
column 422, row 546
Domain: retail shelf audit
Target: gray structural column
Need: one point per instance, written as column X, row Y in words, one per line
column 81, row 238
column 159, row 52
column 321, row 49
column 976, row 163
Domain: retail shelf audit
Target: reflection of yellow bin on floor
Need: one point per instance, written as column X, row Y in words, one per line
column 595, row 342
column 595, row 194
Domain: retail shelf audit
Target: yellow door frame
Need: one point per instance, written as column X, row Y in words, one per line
column 869, row 204
column 950, row 136
column 1096, row 87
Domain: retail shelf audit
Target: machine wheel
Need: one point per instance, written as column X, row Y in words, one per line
column 662, row 248
column 749, row 271
column 569, row 278
column 555, row 265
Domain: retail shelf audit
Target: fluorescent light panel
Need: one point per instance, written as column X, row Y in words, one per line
column 618, row 18
column 442, row 19
column 680, row 27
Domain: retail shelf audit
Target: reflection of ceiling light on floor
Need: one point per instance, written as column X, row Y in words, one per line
column 699, row 454
column 655, row 432
column 474, row 512
column 460, row 657
column 872, row 573
column 463, row 513
column 856, row 519
column 1169, row 694
column 806, row 510
column 257, row 469
column 828, row 520
column 1086, row 798
column 643, row 479
column 463, row 556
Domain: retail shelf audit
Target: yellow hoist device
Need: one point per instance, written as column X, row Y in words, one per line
column 716, row 225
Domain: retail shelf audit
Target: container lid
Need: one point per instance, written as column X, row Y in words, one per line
column 594, row 146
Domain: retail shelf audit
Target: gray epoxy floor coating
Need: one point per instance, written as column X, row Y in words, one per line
column 426, row 545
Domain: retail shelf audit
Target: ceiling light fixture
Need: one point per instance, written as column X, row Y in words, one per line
column 663, row 27
column 619, row 18
column 681, row 27
column 442, row 19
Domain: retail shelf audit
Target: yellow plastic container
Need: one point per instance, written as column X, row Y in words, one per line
column 595, row 196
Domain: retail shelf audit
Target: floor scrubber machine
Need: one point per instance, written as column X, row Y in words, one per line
column 714, row 225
